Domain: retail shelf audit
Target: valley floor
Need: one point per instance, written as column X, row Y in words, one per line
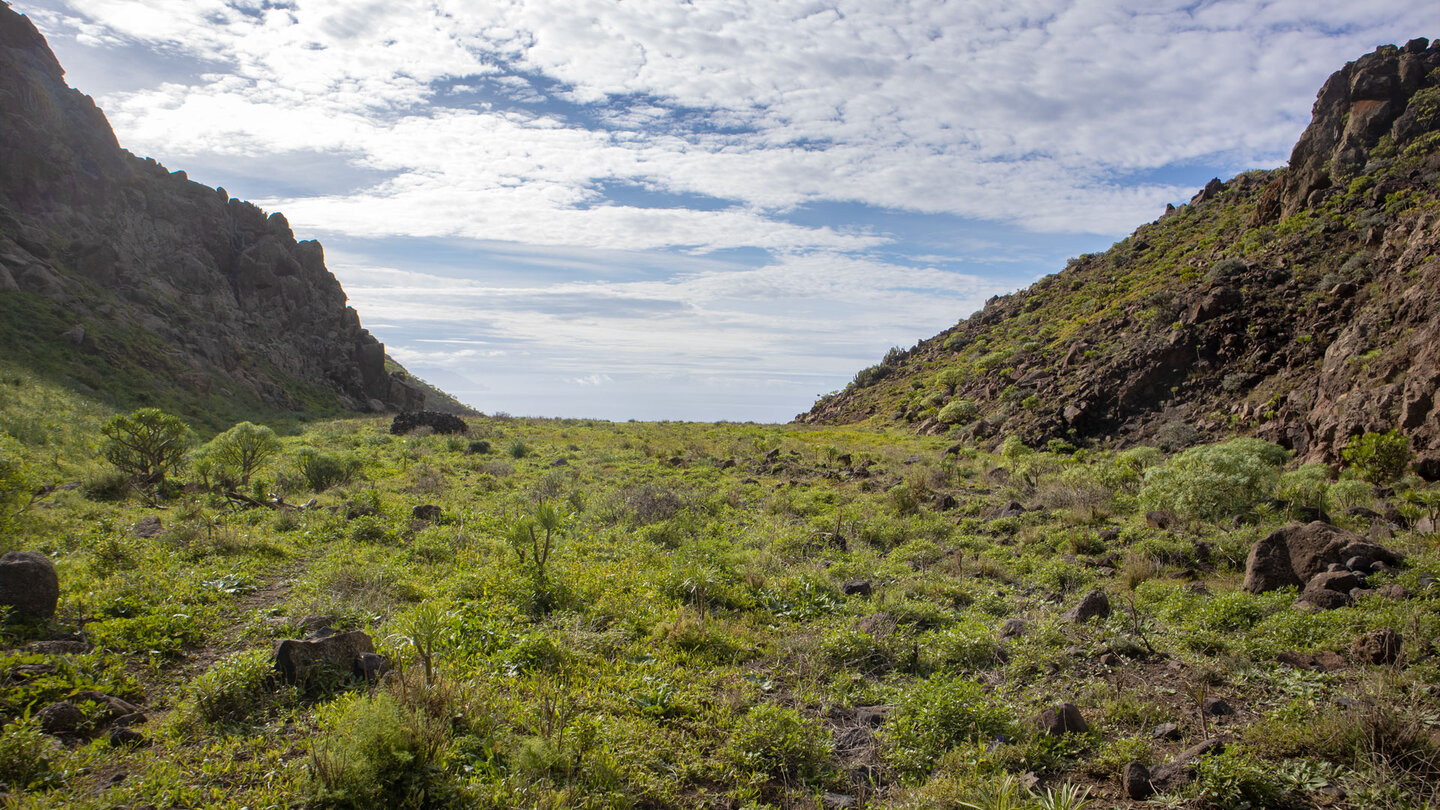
column 726, row 616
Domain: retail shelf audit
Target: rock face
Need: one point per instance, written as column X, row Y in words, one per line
column 29, row 585
column 162, row 277
column 1294, row 555
column 1323, row 327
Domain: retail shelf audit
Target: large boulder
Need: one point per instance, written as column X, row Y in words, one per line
column 295, row 659
column 1094, row 605
column 435, row 420
column 1292, row 556
column 29, row 585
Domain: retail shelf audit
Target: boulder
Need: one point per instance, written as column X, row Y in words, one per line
column 122, row 737
column 1291, row 556
column 1165, row 731
column 437, row 422
column 148, row 526
column 1094, row 604
column 1063, row 719
column 1380, row 647
column 857, row 587
column 1217, row 707
column 1012, row 628
column 427, row 512
column 61, row 719
column 295, row 659
column 29, row 585
column 1135, row 779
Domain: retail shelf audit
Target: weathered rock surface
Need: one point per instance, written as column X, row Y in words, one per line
column 1094, row 604
column 29, row 585
column 241, row 308
column 437, row 422
column 296, row 659
column 1294, row 555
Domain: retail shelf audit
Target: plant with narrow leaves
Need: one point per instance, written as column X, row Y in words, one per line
column 146, row 445
column 1004, row 792
column 428, row 630
column 1066, row 797
column 533, row 539
column 1378, row 457
column 241, row 450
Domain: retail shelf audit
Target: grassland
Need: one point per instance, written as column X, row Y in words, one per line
column 699, row 635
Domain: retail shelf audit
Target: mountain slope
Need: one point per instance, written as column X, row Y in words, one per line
column 1298, row 304
column 124, row 279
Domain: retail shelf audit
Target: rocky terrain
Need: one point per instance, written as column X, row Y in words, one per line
column 1296, row 305
column 127, row 279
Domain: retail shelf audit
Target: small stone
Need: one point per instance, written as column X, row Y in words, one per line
column 123, row 737
column 146, row 527
column 1063, row 719
column 1166, row 731
column 1094, row 604
column 1110, row 659
column 1217, row 707
column 856, row 587
column 1012, row 628
column 1006, row 510
column 371, row 666
column 428, row 512
column 1136, row 781
column 1393, row 590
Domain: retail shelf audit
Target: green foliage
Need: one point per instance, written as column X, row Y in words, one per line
column 235, row 688
column 1378, row 457
column 377, row 752
column 958, row 411
column 240, row 451
column 16, row 482
column 25, row 753
column 934, row 716
column 321, row 471
column 533, row 539
column 778, row 742
column 146, row 445
column 1217, row 481
column 428, row 630
column 1305, row 487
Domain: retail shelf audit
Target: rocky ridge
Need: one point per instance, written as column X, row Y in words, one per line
column 1297, row 305
column 112, row 266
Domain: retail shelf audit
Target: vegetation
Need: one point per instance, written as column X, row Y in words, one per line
column 670, row 619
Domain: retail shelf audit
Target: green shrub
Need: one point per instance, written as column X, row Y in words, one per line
column 322, row 471
column 778, row 742
column 240, row 451
column 518, row 449
column 936, row 715
column 1215, row 481
column 25, row 752
column 958, row 411
column 478, row 447
column 1378, row 457
column 147, row 445
column 1348, row 492
column 376, row 752
column 1305, row 487
column 235, row 688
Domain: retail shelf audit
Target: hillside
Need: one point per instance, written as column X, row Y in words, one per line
column 126, row 280
column 1297, row 305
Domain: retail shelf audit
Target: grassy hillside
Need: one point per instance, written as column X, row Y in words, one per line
column 689, row 641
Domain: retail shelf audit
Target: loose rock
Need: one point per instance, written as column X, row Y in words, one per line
column 1094, row 604
column 29, row 585
column 1377, row 647
column 295, row 659
column 1063, row 719
column 1136, row 781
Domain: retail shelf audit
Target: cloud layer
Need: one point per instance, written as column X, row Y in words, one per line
column 817, row 152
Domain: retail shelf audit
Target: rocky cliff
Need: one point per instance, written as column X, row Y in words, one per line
column 126, row 278
column 1301, row 305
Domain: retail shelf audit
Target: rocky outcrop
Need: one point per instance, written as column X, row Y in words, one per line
column 163, row 277
column 1297, row 555
column 1296, row 305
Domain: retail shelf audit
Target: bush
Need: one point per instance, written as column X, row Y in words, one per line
column 146, row 445
column 377, row 753
column 1378, row 457
column 322, row 471
column 24, row 754
column 1348, row 492
column 1215, row 481
column 238, row 452
column 235, row 688
column 778, row 742
column 958, row 411
column 1305, row 487
column 936, row 715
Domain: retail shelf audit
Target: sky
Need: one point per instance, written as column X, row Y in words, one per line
column 701, row 209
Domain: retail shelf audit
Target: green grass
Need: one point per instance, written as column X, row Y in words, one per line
column 689, row 643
